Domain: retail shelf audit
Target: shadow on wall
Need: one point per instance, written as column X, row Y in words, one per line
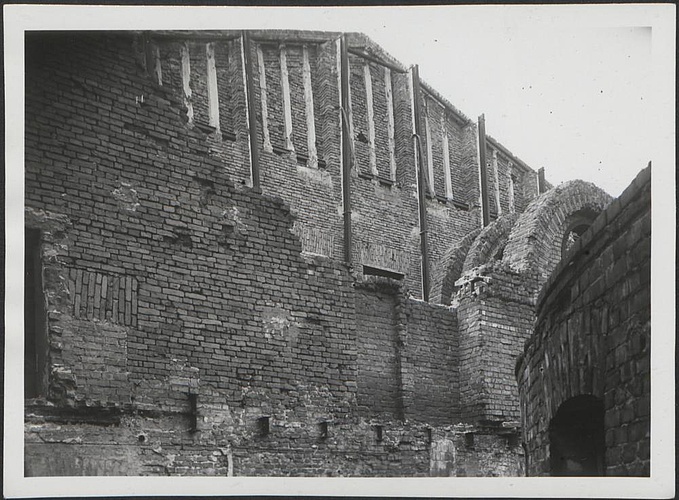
column 576, row 438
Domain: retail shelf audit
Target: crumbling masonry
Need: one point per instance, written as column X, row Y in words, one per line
column 264, row 253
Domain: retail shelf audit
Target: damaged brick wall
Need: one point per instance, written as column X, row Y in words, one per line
column 496, row 313
column 592, row 338
column 537, row 239
column 430, row 364
column 188, row 332
column 503, row 272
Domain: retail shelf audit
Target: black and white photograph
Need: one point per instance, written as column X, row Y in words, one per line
column 392, row 251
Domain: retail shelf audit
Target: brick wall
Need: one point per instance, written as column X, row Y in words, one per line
column 379, row 377
column 496, row 313
column 536, row 241
column 166, row 277
column 449, row 269
column 592, row 337
column 430, row 364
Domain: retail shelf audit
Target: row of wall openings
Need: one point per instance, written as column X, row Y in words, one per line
column 201, row 66
column 264, row 429
column 35, row 324
column 210, row 75
column 373, row 118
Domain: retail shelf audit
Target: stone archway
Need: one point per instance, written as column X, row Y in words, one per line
column 576, row 438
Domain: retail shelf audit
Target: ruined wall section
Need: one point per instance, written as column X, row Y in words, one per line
column 384, row 206
column 213, row 277
column 183, row 70
column 430, row 364
column 296, row 97
column 496, row 312
column 296, row 92
column 189, row 335
column 448, row 270
column 449, row 201
column 379, row 367
column 592, row 337
column 537, row 239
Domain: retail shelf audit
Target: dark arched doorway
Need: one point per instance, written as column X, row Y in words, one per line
column 576, row 438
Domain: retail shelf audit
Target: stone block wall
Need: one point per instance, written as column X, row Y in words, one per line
column 592, row 338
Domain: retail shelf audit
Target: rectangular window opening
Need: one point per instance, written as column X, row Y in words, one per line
column 376, row 271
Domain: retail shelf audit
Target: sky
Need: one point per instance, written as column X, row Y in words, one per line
column 568, row 91
column 585, row 91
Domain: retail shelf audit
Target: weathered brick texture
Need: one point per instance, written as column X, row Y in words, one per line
column 502, row 274
column 169, row 281
column 536, row 241
column 379, row 377
column 592, row 337
column 449, row 269
column 496, row 313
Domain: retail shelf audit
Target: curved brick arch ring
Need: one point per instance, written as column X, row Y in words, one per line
column 489, row 242
column 450, row 269
column 537, row 237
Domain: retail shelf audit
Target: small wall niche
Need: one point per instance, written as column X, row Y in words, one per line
column 323, row 430
column 263, row 426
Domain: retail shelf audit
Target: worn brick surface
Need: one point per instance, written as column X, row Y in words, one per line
column 536, row 241
column 166, row 275
column 592, row 337
column 496, row 314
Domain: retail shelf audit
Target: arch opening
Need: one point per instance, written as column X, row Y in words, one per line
column 576, row 438
column 577, row 224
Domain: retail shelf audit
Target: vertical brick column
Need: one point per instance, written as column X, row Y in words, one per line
column 495, row 318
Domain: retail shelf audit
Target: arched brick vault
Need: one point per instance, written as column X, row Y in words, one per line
column 490, row 241
column 449, row 269
column 592, row 336
column 538, row 235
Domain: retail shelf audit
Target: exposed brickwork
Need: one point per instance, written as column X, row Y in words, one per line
column 449, row 269
column 489, row 244
column 378, row 358
column 592, row 337
column 536, row 241
column 430, row 364
column 166, row 278
column 496, row 314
